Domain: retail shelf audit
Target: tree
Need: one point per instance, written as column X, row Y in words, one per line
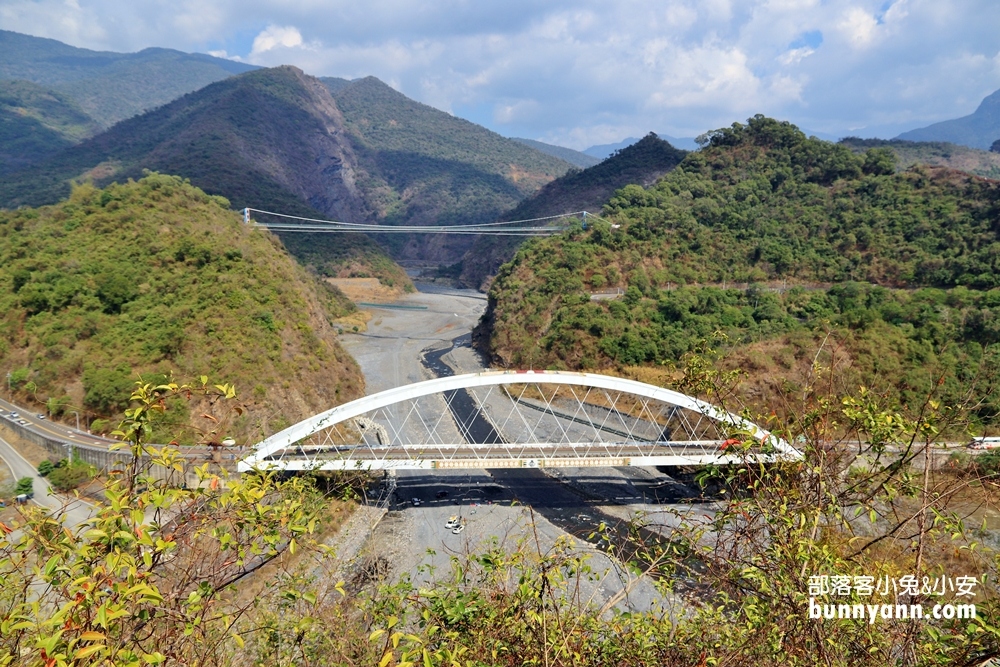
column 25, row 485
column 70, row 475
column 105, row 389
column 879, row 162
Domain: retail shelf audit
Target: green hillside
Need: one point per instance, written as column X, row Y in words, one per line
column 109, row 86
column 266, row 139
column 36, row 123
column 766, row 208
column 936, row 153
column 155, row 276
column 588, row 190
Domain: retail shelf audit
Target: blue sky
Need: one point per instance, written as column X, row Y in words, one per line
column 578, row 73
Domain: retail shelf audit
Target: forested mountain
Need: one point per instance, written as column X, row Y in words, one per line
column 272, row 139
column 108, row 86
column 640, row 163
column 275, row 139
column 36, row 123
column 978, row 130
column 156, row 277
column 424, row 166
column 769, row 209
column 935, row 153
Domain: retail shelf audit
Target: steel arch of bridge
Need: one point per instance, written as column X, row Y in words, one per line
column 634, row 451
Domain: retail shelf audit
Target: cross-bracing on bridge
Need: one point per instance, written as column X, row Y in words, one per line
column 517, row 419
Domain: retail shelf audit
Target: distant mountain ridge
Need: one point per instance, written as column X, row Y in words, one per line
column 602, row 151
column 36, row 123
column 425, row 166
column 110, row 86
column 978, row 130
column 575, row 158
column 271, row 139
column 277, row 139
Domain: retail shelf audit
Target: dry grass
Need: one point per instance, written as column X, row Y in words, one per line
column 366, row 289
column 358, row 318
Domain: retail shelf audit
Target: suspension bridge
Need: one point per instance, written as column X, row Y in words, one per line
column 544, row 226
column 508, row 419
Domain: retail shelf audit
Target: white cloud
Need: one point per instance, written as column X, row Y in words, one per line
column 589, row 71
column 274, row 36
column 795, row 56
column 858, row 26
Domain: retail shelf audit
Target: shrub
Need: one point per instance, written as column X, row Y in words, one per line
column 24, row 485
column 68, row 477
column 45, row 467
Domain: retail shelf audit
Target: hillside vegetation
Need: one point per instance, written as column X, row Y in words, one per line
column 936, row 153
column 765, row 207
column 36, row 123
column 109, row 86
column 156, row 277
column 579, row 190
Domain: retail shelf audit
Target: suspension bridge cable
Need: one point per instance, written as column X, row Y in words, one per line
column 495, row 228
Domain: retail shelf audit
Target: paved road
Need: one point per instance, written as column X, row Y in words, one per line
column 75, row 511
column 53, row 429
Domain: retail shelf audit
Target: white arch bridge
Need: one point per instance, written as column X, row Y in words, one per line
column 508, row 419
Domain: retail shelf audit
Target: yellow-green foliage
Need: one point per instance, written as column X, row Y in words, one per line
column 817, row 239
column 157, row 276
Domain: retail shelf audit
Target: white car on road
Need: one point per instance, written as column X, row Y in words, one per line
column 985, row 443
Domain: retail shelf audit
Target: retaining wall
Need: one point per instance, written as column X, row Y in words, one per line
column 106, row 460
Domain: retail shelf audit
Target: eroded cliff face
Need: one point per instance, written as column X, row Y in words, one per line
column 331, row 184
column 298, row 140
